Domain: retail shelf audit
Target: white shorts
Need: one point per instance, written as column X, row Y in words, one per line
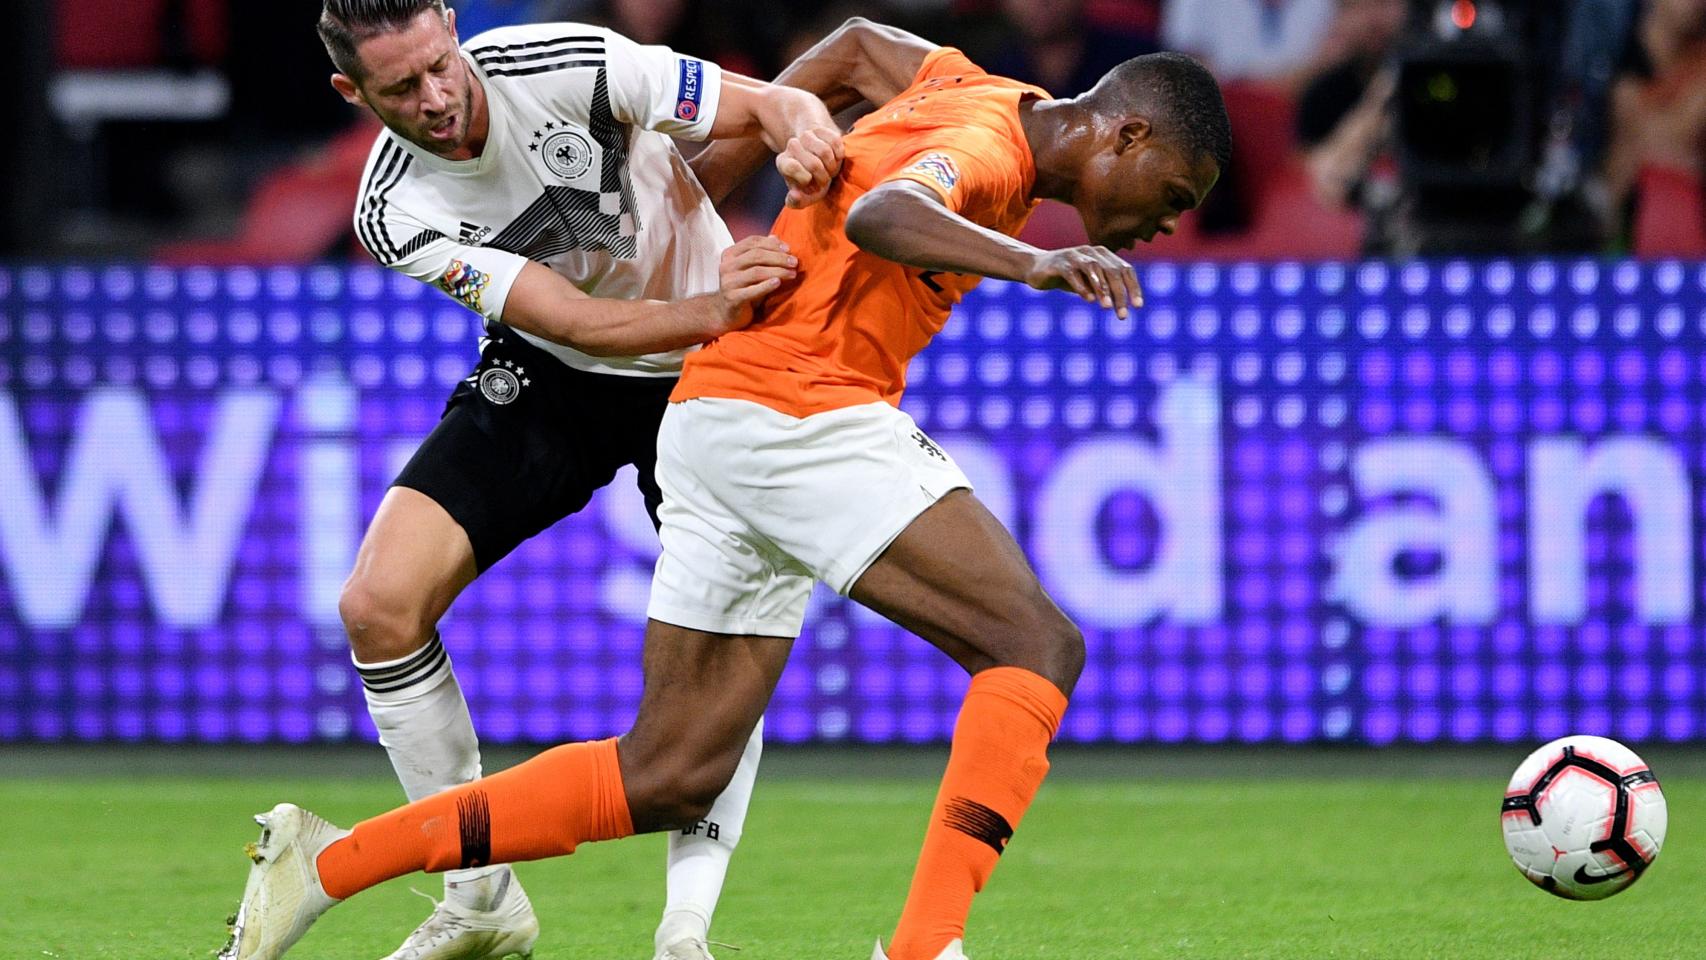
column 758, row 504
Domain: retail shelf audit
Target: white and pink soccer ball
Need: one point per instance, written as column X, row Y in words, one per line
column 1583, row 817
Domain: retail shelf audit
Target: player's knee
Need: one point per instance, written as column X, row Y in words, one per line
column 688, row 794
column 1065, row 647
column 382, row 624
column 674, row 786
column 1057, row 644
column 698, row 794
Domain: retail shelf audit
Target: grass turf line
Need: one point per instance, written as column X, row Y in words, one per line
column 1380, row 868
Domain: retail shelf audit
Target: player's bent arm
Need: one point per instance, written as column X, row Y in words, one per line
column 748, row 108
column 544, row 304
column 860, row 61
column 908, row 223
column 792, row 123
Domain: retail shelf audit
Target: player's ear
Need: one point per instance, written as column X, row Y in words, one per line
column 1131, row 133
column 347, row 88
column 450, row 21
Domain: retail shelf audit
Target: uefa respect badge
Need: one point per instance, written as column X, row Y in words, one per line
column 691, row 89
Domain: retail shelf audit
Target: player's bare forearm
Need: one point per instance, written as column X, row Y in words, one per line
column 734, row 157
column 860, row 61
column 615, row 328
column 793, row 123
column 655, row 327
column 546, row 305
column 906, row 223
column 775, row 115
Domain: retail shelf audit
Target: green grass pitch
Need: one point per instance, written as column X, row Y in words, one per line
column 136, row 855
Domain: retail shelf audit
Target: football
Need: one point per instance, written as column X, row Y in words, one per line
column 1583, row 817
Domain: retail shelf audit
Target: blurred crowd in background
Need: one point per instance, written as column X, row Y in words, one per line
column 206, row 131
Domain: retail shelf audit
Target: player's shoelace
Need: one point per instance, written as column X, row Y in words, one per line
column 446, row 924
column 720, row 945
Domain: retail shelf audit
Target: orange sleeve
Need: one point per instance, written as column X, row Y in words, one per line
column 976, row 171
column 946, row 62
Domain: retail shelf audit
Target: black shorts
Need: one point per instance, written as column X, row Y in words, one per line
column 525, row 441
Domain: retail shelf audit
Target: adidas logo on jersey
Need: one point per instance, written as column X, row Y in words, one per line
column 473, row 234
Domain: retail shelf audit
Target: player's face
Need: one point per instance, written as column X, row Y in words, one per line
column 418, row 84
column 1140, row 189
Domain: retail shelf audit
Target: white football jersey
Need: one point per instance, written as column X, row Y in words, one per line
column 578, row 173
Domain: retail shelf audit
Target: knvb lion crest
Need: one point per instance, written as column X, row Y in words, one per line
column 566, row 151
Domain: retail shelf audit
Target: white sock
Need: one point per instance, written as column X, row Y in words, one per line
column 423, row 724
column 699, row 856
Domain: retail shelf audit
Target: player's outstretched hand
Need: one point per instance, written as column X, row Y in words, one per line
column 1095, row 273
column 750, row 270
column 809, row 164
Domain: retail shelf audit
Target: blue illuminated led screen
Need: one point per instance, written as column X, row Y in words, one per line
column 1372, row 502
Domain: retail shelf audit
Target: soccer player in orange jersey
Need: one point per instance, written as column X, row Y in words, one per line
column 783, row 460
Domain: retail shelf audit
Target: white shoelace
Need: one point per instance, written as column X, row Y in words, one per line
column 715, row 943
column 448, row 922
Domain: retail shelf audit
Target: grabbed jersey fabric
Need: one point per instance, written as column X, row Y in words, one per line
column 843, row 332
column 578, row 174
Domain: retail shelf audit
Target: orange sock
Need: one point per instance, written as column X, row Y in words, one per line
column 997, row 763
column 566, row 796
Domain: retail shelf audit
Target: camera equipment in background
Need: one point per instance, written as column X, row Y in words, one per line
column 1482, row 133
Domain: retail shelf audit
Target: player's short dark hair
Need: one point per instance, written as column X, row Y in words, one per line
column 1180, row 96
column 344, row 24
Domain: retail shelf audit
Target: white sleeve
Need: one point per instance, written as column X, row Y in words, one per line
column 658, row 89
column 479, row 278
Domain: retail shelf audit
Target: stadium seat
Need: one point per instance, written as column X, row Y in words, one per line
column 1264, row 134
column 132, row 34
column 1291, row 222
column 298, row 214
column 1670, row 213
column 1135, row 17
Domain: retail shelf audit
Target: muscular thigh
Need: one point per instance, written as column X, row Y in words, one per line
column 414, row 559
column 956, row 577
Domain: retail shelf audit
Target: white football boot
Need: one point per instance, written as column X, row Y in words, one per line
column 952, row 951
column 681, row 936
column 283, row 897
column 686, row 948
column 455, row 932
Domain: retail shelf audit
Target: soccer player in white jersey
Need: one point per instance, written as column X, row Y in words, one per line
column 530, row 175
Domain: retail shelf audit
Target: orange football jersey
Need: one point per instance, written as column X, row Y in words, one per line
column 842, row 332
